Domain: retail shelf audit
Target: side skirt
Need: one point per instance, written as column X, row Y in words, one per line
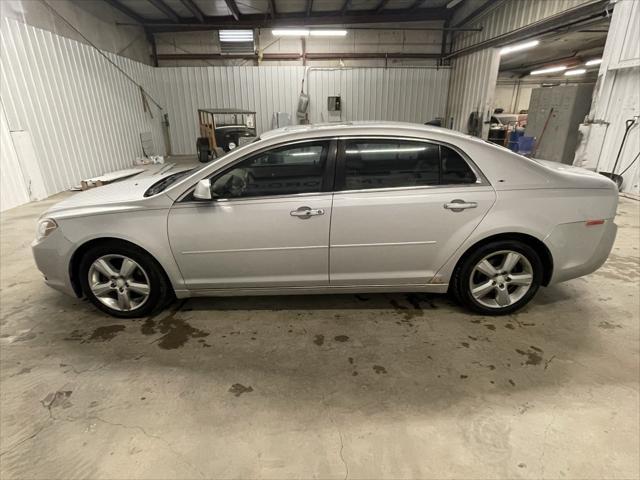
column 238, row 292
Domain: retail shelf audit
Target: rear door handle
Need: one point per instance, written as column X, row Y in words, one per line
column 306, row 212
column 459, row 205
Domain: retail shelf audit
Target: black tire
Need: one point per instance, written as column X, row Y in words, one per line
column 460, row 283
column 160, row 294
column 202, row 146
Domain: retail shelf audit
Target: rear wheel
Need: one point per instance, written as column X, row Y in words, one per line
column 498, row 278
column 123, row 281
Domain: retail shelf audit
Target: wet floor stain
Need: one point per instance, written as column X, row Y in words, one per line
column 105, row 334
column 100, row 334
column 513, row 384
column 379, row 369
column 319, row 340
column 238, row 389
column 176, row 332
column 464, row 376
column 341, row 338
column 532, row 354
column 464, row 344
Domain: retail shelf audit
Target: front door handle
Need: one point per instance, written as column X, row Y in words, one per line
column 306, row 212
column 459, row 205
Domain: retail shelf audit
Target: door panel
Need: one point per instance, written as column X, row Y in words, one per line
column 252, row 242
column 400, row 236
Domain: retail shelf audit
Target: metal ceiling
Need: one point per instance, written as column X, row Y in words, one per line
column 184, row 15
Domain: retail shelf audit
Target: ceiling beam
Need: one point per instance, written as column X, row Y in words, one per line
column 345, row 6
column 300, row 19
column 194, row 9
column 309, row 7
column 233, row 8
column 272, row 8
column 126, row 10
column 295, row 56
column 381, row 5
column 166, row 9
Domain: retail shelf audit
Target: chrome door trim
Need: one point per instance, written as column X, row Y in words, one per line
column 389, row 244
column 257, row 249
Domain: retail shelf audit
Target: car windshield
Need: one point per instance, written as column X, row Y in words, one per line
column 162, row 185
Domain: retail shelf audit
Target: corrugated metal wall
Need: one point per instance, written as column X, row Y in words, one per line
column 474, row 75
column 13, row 189
column 407, row 94
column 617, row 99
column 84, row 116
column 473, row 86
column 509, row 15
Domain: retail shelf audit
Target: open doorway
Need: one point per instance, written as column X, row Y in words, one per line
column 544, row 91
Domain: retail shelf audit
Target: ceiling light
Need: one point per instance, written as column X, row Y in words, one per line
column 290, row 32
column 328, row 33
column 577, row 71
column 595, row 61
column 519, row 47
column 559, row 68
column 236, row 35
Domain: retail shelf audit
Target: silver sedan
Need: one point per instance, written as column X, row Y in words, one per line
column 363, row 207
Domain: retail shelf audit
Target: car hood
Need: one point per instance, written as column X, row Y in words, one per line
column 121, row 195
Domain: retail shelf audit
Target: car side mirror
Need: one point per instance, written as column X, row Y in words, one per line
column 203, row 190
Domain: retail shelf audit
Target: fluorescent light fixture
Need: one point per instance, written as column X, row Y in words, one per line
column 303, row 32
column 559, row 68
column 236, row 35
column 387, row 150
column 519, row 47
column 304, row 154
column 595, row 61
column 327, row 33
column 290, row 32
column 577, row 71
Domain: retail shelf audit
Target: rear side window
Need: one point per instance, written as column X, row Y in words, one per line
column 389, row 163
column 371, row 163
column 455, row 169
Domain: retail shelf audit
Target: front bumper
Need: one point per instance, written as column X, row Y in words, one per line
column 578, row 249
column 52, row 255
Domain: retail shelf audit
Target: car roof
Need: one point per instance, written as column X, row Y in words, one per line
column 347, row 128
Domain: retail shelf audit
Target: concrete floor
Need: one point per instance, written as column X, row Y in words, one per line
column 365, row 386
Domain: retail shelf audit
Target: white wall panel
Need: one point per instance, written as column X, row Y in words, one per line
column 508, row 15
column 84, row 116
column 13, row 188
column 401, row 94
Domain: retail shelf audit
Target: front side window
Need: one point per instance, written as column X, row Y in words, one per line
column 378, row 163
column 288, row 170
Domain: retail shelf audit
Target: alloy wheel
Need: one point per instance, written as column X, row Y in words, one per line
column 119, row 282
column 501, row 279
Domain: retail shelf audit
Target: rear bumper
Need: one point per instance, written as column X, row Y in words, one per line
column 52, row 255
column 578, row 249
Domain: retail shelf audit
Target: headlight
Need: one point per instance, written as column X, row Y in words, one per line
column 45, row 227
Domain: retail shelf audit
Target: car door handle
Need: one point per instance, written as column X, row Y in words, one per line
column 306, row 212
column 458, row 205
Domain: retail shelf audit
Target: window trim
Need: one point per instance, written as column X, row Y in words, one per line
column 328, row 176
column 340, row 180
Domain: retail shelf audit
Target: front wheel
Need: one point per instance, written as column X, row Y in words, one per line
column 123, row 281
column 498, row 278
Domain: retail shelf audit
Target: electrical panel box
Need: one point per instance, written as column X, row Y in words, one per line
column 554, row 116
column 333, row 104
